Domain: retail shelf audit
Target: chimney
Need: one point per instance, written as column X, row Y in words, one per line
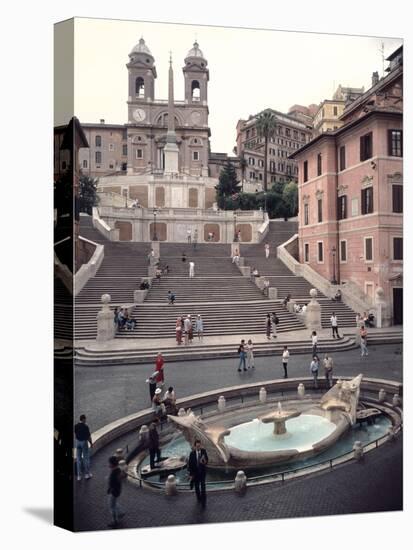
column 374, row 78
column 102, row 121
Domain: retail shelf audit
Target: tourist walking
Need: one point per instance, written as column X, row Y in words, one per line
column 171, row 298
column 314, row 342
column 242, row 356
column 153, row 445
column 363, row 341
column 159, row 366
column 114, row 491
column 265, row 287
column 285, row 357
column 286, row 300
column 199, row 325
column 328, row 365
column 150, row 256
column 250, row 355
column 178, row 331
column 157, row 405
column 195, row 239
column 274, row 323
column 183, row 257
column 188, row 236
column 191, row 269
column 268, row 325
column 334, row 325
column 267, row 250
column 235, row 257
column 314, row 367
column 152, row 384
column 83, row 438
column 197, row 462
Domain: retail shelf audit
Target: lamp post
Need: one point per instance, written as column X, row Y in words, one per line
column 155, row 236
column 333, row 250
column 235, row 226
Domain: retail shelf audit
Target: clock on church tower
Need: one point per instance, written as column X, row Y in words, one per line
column 139, row 114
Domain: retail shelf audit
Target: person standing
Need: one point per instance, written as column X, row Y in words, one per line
column 178, row 331
column 83, row 438
column 314, row 342
column 114, row 491
column 190, row 330
column 187, row 327
column 197, row 463
column 152, row 384
column 183, row 257
column 328, row 365
column 314, row 367
column 285, row 357
column 274, row 323
column 195, row 239
column 153, row 444
column 242, row 354
column 267, row 250
column 191, row 269
column 188, row 235
column 200, row 328
column 250, row 355
column 159, row 366
column 268, row 326
column 171, row 298
column 363, row 341
column 334, row 325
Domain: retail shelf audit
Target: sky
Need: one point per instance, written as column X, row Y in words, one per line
column 249, row 69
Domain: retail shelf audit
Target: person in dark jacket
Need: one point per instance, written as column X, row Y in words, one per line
column 83, row 439
column 114, row 491
column 197, row 463
column 153, row 445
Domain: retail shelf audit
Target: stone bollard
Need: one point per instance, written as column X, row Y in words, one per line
column 290, row 306
column 240, row 485
column 105, row 321
column 246, row 271
column 301, row 390
column 181, row 412
column 358, row 450
column 391, row 433
column 382, row 396
column 263, row 395
column 221, row 403
column 313, row 312
column 396, row 400
column 272, row 293
column 144, row 433
column 170, row 486
column 123, row 466
column 139, row 296
column 119, row 454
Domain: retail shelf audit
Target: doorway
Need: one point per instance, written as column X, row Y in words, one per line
column 397, row 306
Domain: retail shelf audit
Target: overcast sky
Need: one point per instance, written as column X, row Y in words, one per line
column 249, row 69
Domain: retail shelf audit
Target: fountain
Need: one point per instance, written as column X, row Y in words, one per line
column 279, row 418
column 280, row 435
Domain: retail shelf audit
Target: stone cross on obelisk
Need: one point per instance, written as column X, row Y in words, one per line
column 171, row 149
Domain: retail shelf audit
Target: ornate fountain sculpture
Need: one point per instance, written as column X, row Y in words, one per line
column 279, row 418
column 336, row 411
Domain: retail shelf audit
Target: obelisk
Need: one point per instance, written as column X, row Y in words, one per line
column 171, row 149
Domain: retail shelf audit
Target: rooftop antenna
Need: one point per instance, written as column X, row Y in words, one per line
column 381, row 50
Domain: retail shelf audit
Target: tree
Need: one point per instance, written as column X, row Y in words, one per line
column 266, row 124
column 87, row 194
column 290, row 197
column 228, row 185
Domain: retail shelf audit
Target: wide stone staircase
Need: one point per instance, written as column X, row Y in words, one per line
column 285, row 281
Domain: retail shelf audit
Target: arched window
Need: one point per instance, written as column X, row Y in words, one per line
column 195, row 91
column 140, row 87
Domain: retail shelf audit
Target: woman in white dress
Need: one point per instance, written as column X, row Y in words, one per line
column 250, row 355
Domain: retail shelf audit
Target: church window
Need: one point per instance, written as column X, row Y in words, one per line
column 139, row 153
column 195, row 91
column 98, row 157
column 98, row 141
column 85, row 164
column 140, row 87
column 111, row 147
column 195, row 155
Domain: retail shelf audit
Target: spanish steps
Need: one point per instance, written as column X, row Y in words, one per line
column 229, row 303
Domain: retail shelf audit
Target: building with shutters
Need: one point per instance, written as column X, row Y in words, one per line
column 351, row 195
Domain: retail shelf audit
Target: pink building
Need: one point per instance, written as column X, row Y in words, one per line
column 351, row 195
